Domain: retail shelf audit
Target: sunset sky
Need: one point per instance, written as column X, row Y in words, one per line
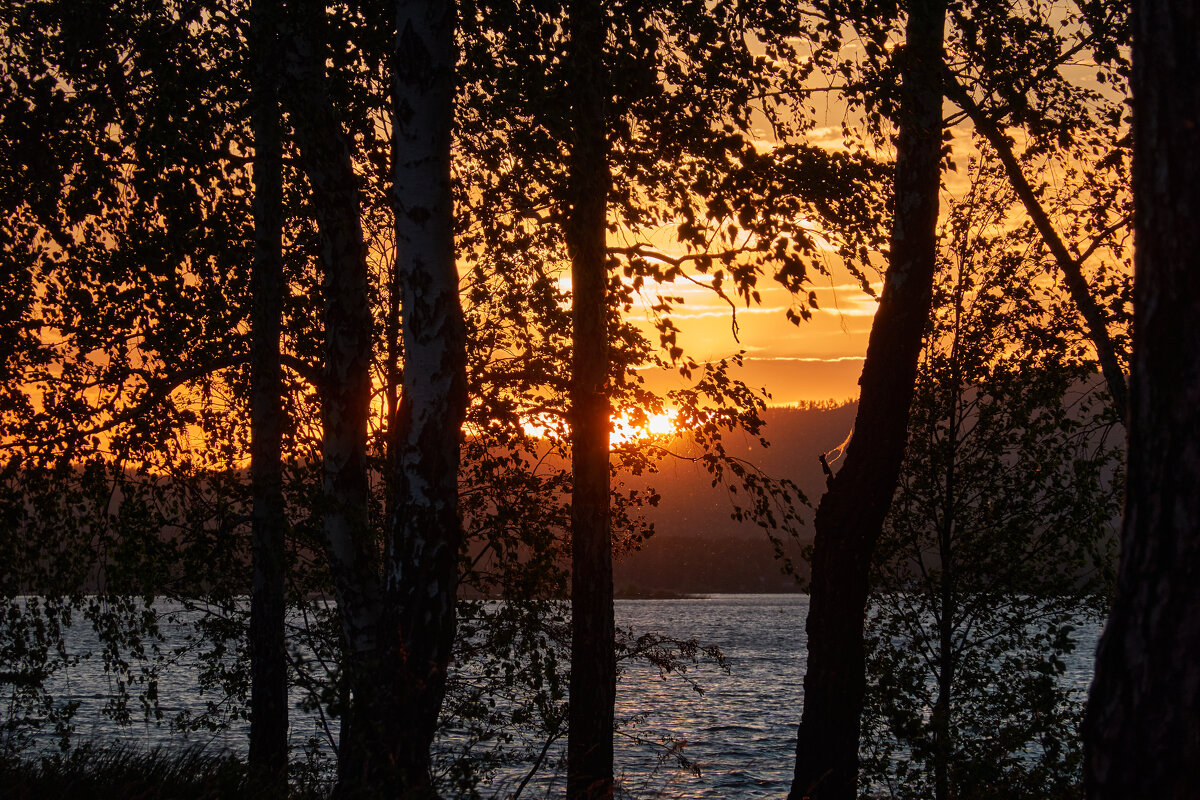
column 817, row 360
column 814, row 361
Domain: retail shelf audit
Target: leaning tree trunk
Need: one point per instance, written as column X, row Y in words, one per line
column 268, row 660
column 1142, row 731
column 424, row 530
column 850, row 516
column 1081, row 293
column 593, row 663
column 345, row 381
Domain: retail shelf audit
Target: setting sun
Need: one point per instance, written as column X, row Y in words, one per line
column 625, row 429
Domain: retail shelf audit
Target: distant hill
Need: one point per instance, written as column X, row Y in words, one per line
column 670, row 565
column 697, row 548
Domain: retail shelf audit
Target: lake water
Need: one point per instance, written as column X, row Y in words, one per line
column 740, row 732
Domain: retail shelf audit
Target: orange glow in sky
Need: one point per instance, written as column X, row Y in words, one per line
column 625, row 428
column 654, row 425
column 817, row 360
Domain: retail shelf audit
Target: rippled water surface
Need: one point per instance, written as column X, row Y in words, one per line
column 739, row 731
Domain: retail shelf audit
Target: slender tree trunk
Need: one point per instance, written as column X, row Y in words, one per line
column 850, row 516
column 345, row 386
column 1142, row 731
column 393, row 375
column 268, row 663
column 425, row 533
column 942, row 716
column 942, row 719
column 1077, row 286
column 593, row 664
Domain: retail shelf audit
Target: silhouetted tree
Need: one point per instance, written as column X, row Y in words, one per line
column 998, row 544
column 345, row 389
column 1012, row 69
column 424, row 531
column 850, row 516
column 593, row 660
column 268, row 658
column 1142, row 731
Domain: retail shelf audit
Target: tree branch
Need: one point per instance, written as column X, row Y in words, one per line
column 1070, row 267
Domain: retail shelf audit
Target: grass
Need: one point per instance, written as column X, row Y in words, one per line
column 123, row 773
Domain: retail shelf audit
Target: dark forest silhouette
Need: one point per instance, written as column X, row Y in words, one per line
column 335, row 301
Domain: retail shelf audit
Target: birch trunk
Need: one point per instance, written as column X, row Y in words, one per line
column 593, row 665
column 345, row 380
column 850, row 516
column 1142, row 730
column 424, row 530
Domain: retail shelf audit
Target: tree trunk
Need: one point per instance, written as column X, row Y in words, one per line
column 1077, row 286
column 1142, row 731
column 850, row 516
column 593, row 664
column 268, row 663
column 943, row 718
column 345, row 383
column 425, row 534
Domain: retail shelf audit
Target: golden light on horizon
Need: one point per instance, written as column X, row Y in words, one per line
column 626, row 426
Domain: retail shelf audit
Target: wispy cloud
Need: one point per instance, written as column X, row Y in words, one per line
column 718, row 311
column 855, row 288
column 850, row 311
column 806, row 359
column 774, row 359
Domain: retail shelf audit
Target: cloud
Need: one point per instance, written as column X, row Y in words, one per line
column 851, row 311
column 722, row 311
column 856, row 288
column 806, row 359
